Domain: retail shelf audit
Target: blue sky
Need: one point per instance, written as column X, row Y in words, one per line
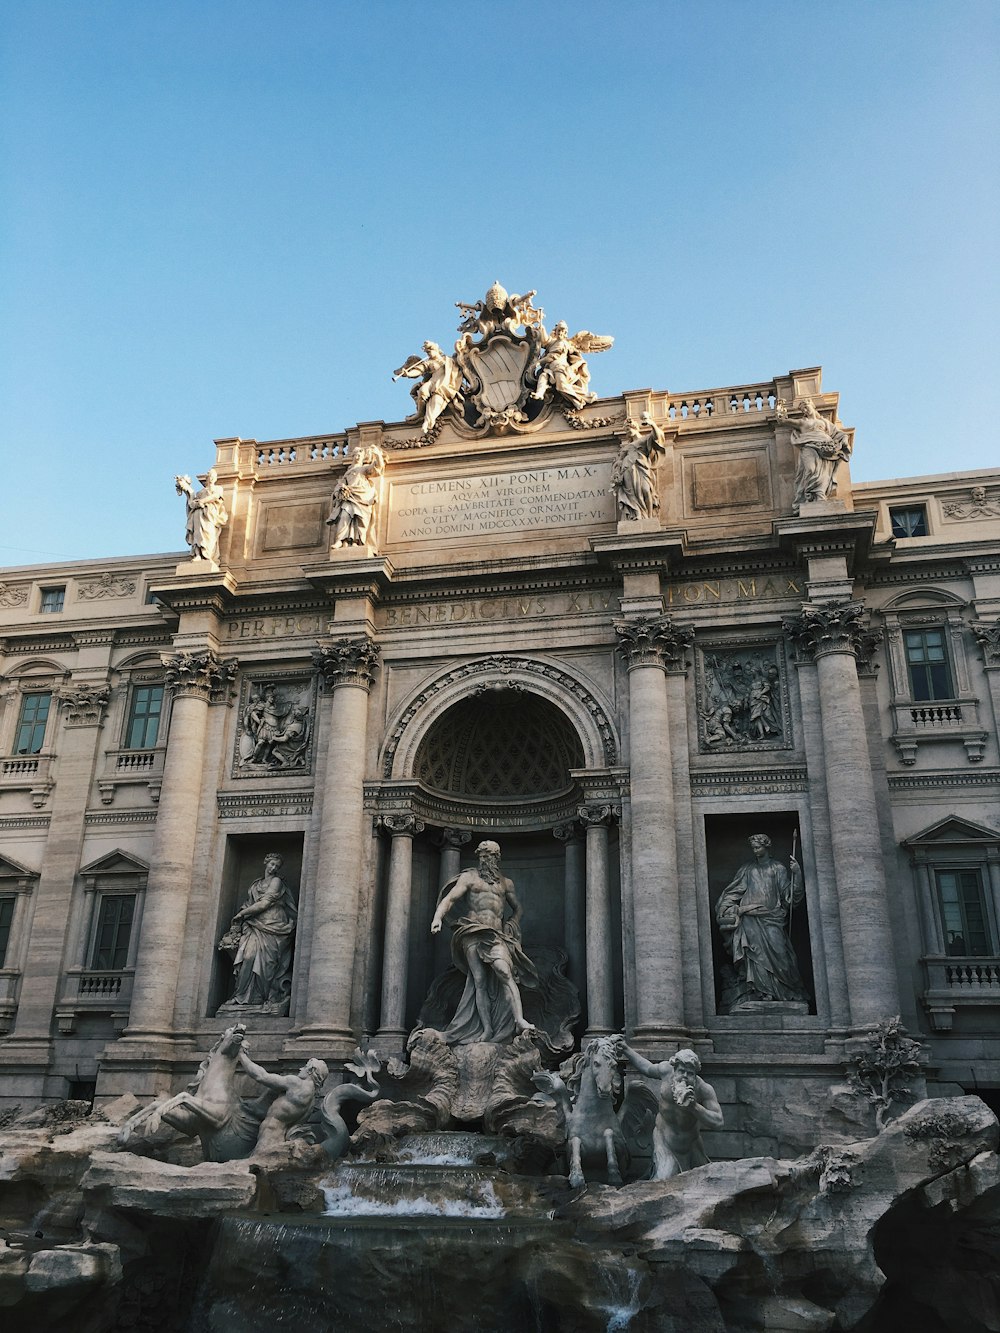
column 236, row 218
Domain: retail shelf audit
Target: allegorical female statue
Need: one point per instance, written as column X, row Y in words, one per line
column 633, row 476
column 822, row 445
column 206, row 516
column 260, row 939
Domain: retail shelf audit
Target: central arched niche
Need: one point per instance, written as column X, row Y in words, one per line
column 501, row 759
column 499, row 746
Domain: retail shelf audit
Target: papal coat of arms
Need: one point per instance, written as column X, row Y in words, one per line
column 508, row 371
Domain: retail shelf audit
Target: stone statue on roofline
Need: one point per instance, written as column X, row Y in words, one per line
column 822, row 446
column 633, row 473
column 206, row 516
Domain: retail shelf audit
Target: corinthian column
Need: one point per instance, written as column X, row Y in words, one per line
column 600, row 999
column 348, row 669
column 193, row 679
column 396, row 946
column 834, row 635
column 652, row 645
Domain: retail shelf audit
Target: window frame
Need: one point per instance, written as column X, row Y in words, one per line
column 132, row 716
column 22, row 722
column 105, row 898
column 925, row 689
column 918, row 506
column 51, row 590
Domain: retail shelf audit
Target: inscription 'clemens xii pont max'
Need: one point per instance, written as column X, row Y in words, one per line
column 516, row 501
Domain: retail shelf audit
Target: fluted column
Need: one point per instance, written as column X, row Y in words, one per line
column 574, row 918
column 834, row 635
column 396, row 946
column 652, row 645
column 600, row 999
column 348, row 669
column 193, row 679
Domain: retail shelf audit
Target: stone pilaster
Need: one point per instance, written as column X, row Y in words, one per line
column 596, row 819
column 82, row 706
column 194, row 679
column 653, row 645
column 574, row 915
column 987, row 634
column 835, row 636
column 402, row 828
column 347, row 667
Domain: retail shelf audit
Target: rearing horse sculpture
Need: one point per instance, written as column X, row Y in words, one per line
column 588, row 1090
column 211, row 1107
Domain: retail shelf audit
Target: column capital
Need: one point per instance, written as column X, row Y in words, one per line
column 838, row 627
column 596, row 816
column 454, row 837
column 988, row 637
column 200, row 675
column 84, row 703
column 404, row 825
column 653, row 641
column 348, row 662
column 567, row 832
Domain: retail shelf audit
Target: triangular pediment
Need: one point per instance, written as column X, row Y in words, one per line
column 11, row 869
column 953, row 830
column 116, row 863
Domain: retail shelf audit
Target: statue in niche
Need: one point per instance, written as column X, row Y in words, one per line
column 355, row 497
column 441, row 384
column 275, row 730
column 633, row 473
column 822, row 445
column 562, row 369
column 206, row 516
column 753, row 914
column 260, row 940
column 741, row 703
column 687, row 1105
column 486, row 947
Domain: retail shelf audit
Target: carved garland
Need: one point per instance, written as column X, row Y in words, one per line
column 502, row 666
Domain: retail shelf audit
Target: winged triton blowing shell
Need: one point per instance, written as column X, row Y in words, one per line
column 507, row 372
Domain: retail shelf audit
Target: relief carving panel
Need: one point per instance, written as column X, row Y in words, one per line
column 742, row 693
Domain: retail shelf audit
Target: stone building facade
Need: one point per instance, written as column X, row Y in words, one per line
column 617, row 665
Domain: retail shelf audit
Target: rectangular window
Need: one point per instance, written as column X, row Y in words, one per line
column 53, row 599
column 31, row 725
column 963, row 913
column 6, row 918
column 114, row 930
column 909, row 522
column 144, row 717
column 927, row 663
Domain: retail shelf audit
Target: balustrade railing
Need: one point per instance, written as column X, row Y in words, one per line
column 743, row 400
column 302, row 451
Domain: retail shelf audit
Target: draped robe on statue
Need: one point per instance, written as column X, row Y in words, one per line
column 761, row 951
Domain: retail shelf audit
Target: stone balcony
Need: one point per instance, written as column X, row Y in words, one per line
column 930, row 720
column 93, row 991
column 132, row 767
column 958, row 983
column 28, row 772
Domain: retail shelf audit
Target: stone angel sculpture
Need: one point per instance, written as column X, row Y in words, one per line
column 562, row 369
column 440, row 384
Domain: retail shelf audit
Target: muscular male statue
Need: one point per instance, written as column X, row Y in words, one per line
column 687, row 1104
column 487, row 948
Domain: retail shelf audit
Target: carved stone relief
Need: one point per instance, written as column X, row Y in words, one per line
column 105, row 585
column 978, row 505
column 276, row 723
column 742, row 694
column 13, row 594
